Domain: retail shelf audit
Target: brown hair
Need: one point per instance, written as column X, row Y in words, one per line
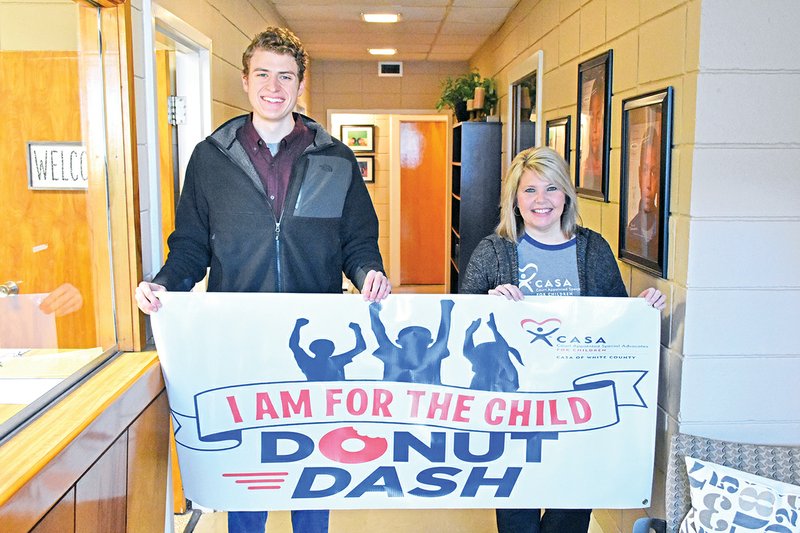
column 281, row 41
column 548, row 165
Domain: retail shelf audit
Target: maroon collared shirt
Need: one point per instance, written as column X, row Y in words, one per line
column 275, row 171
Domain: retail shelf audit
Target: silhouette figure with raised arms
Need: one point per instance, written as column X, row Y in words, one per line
column 324, row 366
column 416, row 357
column 490, row 360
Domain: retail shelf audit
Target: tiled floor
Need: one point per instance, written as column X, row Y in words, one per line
column 406, row 521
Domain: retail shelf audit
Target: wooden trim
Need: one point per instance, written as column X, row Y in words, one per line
column 148, row 455
column 123, row 173
column 100, row 498
column 178, row 496
column 110, row 3
column 93, row 127
column 50, row 454
column 113, row 134
column 62, row 514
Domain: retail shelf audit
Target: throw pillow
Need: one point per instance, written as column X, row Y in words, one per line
column 728, row 500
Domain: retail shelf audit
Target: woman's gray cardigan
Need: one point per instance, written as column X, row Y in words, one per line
column 494, row 262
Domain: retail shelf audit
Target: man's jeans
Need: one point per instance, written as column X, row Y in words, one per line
column 255, row 521
column 553, row 521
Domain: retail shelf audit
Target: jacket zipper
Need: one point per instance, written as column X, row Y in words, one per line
column 278, row 277
column 278, row 280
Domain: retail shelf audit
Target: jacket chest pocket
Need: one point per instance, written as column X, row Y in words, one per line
column 324, row 188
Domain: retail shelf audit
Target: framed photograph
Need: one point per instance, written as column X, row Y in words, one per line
column 644, row 181
column 359, row 138
column 557, row 136
column 594, row 127
column 366, row 164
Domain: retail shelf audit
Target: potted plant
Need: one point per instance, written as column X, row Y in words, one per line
column 456, row 91
column 488, row 91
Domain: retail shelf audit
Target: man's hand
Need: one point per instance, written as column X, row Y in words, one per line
column 146, row 297
column 376, row 286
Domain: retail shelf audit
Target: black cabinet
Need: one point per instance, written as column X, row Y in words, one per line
column 475, row 198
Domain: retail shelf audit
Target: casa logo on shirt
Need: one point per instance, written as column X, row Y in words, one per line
column 528, row 282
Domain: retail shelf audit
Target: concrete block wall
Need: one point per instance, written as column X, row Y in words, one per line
column 655, row 45
column 740, row 359
column 379, row 190
column 351, row 85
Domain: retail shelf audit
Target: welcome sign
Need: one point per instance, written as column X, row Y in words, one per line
column 287, row 401
column 57, row 166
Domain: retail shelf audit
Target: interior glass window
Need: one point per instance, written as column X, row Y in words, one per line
column 56, row 286
column 524, row 116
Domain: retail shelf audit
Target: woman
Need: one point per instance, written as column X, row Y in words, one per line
column 538, row 249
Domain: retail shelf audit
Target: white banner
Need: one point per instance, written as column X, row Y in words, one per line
column 289, row 401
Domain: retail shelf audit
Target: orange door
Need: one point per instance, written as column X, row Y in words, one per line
column 423, row 171
column 164, row 88
column 45, row 238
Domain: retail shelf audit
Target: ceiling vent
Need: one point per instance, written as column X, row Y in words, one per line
column 390, row 68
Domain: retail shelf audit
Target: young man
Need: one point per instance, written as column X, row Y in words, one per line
column 272, row 203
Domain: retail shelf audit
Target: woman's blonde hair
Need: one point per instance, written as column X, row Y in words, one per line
column 548, row 165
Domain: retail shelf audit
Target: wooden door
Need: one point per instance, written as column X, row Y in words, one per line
column 423, row 190
column 45, row 238
column 165, row 88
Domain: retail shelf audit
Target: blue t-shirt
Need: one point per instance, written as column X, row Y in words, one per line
column 548, row 269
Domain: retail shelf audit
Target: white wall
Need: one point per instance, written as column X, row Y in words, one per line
column 741, row 360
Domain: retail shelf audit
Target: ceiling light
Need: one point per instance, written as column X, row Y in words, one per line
column 385, row 18
column 382, row 51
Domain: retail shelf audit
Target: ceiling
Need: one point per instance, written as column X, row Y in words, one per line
column 433, row 30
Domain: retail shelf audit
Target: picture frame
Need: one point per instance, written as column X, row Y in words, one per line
column 645, row 169
column 593, row 139
column 366, row 164
column 557, row 132
column 359, row 138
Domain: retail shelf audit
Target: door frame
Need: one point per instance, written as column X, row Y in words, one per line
column 193, row 78
column 395, row 188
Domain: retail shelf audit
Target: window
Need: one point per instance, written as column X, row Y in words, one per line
column 525, row 113
column 59, row 311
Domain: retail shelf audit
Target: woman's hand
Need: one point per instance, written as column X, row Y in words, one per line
column 511, row 292
column 654, row 297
